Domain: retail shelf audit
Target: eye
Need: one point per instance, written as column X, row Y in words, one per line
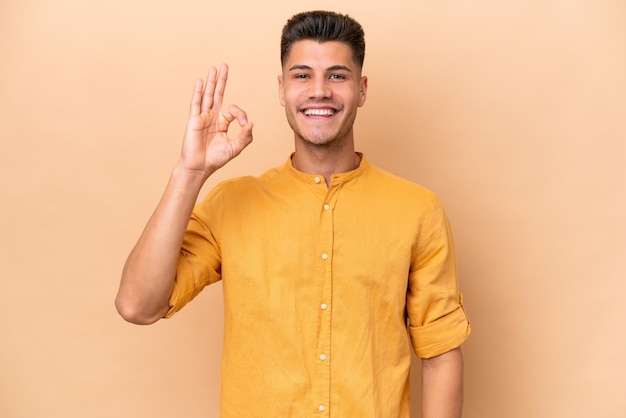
column 337, row 77
column 301, row 76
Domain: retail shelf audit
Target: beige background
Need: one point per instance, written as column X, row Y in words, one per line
column 513, row 111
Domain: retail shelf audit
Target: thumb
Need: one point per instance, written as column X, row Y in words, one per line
column 243, row 140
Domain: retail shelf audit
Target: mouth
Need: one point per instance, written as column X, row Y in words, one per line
column 325, row 112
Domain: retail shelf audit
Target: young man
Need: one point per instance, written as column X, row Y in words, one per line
column 323, row 260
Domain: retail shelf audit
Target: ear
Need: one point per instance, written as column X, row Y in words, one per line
column 363, row 91
column 281, row 91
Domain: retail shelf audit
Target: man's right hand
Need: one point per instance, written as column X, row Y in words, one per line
column 206, row 146
column 150, row 270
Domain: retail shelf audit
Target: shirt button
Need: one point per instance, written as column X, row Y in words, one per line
column 317, row 180
column 321, row 408
column 326, row 206
column 322, row 357
column 325, row 256
column 323, row 306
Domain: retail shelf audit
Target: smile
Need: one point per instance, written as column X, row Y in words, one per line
column 319, row 112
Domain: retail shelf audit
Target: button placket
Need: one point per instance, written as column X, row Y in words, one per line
column 325, row 247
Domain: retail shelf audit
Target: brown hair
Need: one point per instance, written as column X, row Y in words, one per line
column 323, row 26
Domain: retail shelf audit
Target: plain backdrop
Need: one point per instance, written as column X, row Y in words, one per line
column 514, row 112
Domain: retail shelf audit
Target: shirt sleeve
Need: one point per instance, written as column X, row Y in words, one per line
column 437, row 320
column 199, row 261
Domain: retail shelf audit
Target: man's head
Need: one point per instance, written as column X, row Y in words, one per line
column 322, row 26
column 321, row 85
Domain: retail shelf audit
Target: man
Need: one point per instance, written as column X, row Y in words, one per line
column 323, row 260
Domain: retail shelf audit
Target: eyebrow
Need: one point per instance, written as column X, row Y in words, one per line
column 332, row 68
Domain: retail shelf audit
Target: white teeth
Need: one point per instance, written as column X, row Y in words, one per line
column 319, row 112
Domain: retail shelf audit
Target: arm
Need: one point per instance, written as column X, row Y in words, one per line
column 442, row 385
column 148, row 275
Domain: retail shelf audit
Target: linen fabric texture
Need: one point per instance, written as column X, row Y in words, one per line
column 319, row 285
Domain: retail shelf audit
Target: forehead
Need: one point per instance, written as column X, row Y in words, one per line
column 320, row 54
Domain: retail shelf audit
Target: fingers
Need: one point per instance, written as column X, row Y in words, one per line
column 214, row 90
column 245, row 136
column 196, row 98
column 235, row 112
column 207, row 97
column 218, row 96
column 243, row 140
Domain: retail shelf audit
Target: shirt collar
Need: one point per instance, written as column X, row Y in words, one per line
column 337, row 178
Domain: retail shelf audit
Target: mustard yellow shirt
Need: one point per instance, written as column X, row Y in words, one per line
column 319, row 284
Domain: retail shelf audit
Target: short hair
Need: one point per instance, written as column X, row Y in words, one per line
column 323, row 26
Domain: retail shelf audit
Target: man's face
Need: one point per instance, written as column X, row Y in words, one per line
column 321, row 88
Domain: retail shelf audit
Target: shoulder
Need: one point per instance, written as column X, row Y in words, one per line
column 399, row 187
column 248, row 186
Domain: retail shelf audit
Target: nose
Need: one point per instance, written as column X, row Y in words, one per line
column 320, row 89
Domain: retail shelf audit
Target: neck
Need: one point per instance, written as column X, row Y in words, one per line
column 313, row 159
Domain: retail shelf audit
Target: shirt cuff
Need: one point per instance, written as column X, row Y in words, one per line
column 184, row 288
column 441, row 336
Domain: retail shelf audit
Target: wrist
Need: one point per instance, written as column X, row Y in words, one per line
column 189, row 180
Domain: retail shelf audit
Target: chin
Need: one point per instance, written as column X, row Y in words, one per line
column 318, row 141
column 314, row 137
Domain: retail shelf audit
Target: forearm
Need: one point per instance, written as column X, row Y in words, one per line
column 442, row 385
column 149, row 273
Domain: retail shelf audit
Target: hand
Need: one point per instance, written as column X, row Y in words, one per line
column 206, row 146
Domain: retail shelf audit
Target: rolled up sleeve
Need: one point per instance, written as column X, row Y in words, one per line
column 437, row 319
column 199, row 262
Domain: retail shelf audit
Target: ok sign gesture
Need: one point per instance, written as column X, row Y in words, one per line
column 206, row 146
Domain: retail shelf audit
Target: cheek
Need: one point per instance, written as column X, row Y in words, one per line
column 353, row 101
column 290, row 98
